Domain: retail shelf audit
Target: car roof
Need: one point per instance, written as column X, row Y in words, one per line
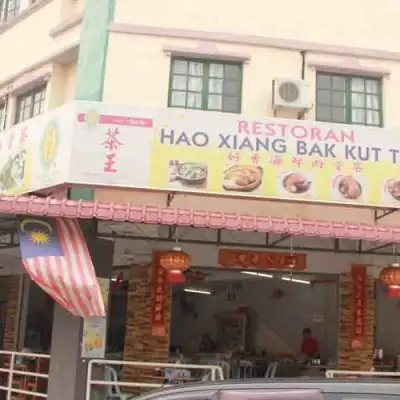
column 344, row 385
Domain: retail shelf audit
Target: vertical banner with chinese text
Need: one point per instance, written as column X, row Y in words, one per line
column 359, row 281
column 158, row 298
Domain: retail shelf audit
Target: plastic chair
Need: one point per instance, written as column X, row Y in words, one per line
column 246, row 369
column 226, row 368
column 114, row 391
column 271, row 370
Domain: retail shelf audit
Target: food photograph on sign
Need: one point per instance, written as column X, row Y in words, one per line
column 242, row 178
column 350, row 187
column 13, row 171
column 391, row 190
column 187, row 174
column 299, row 184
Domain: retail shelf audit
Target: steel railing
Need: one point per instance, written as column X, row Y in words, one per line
column 332, row 373
column 214, row 373
column 14, row 373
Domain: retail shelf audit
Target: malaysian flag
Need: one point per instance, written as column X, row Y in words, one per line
column 55, row 254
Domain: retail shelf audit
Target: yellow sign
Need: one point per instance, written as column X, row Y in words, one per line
column 94, row 337
column 227, row 154
column 49, row 143
column 95, row 328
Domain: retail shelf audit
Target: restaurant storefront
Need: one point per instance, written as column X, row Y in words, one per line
column 271, row 197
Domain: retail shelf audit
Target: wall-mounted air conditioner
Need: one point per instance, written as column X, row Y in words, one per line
column 290, row 93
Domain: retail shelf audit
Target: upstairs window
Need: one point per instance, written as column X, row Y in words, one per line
column 9, row 9
column 30, row 104
column 349, row 99
column 205, row 85
column 3, row 110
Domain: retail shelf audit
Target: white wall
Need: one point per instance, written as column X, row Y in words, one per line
column 358, row 23
column 302, row 306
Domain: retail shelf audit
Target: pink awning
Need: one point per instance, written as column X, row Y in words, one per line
column 197, row 218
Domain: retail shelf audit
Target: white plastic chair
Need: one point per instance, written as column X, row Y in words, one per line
column 226, row 368
column 271, row 370
column 246, row 369
column 114, row 391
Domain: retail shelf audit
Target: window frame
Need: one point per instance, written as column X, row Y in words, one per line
column 3, row 116
column 30, row 93
column 5, row 13
column 205, row 92
column 348, row 101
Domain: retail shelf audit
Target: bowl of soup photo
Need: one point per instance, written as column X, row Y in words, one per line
column 349, row 187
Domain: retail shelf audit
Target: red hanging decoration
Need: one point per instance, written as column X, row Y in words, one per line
column 175, row 262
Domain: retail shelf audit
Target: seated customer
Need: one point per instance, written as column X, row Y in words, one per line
column 309, row 345
column 207, row 345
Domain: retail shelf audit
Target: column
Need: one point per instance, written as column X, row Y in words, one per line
column 359, row 359
column 140, row 342
column 92, row 62
column 68, row 372
column 55, row 87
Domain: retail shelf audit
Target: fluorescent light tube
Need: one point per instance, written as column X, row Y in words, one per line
column 285, row 278
column 260, row 274
column 198, row 291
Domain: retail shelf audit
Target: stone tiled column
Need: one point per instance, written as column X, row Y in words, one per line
column 355, row 359
column 140, row 344
column 11, row 317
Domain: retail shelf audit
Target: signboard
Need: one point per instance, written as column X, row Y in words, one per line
column 94, row 335
column 261, row 259
column 234, row 155
column 96, row 144
column 34, row 155
column 359, row 281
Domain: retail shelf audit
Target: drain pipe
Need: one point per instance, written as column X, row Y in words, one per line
column 303, row 55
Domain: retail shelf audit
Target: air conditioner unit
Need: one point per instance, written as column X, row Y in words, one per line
column 289, row 93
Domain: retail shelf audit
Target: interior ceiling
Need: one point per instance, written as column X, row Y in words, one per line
column 153, row 235
column 125, row 234
column 224, row 275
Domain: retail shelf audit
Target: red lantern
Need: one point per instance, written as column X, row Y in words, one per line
column 175, row 262
column 390, row 275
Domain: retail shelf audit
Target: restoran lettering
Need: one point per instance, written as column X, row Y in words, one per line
column 319, row 141
column 314, row 133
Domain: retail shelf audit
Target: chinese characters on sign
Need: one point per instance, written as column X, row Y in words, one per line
column 359, row 280
column 158, row 299
column 111, row 145
column 261, row 259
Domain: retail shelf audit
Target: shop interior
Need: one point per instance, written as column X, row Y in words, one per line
column 247, row 319
column 242, row 319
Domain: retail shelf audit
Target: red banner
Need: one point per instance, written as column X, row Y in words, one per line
column 158, row 298
column 359, row 279
column 261, row 259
